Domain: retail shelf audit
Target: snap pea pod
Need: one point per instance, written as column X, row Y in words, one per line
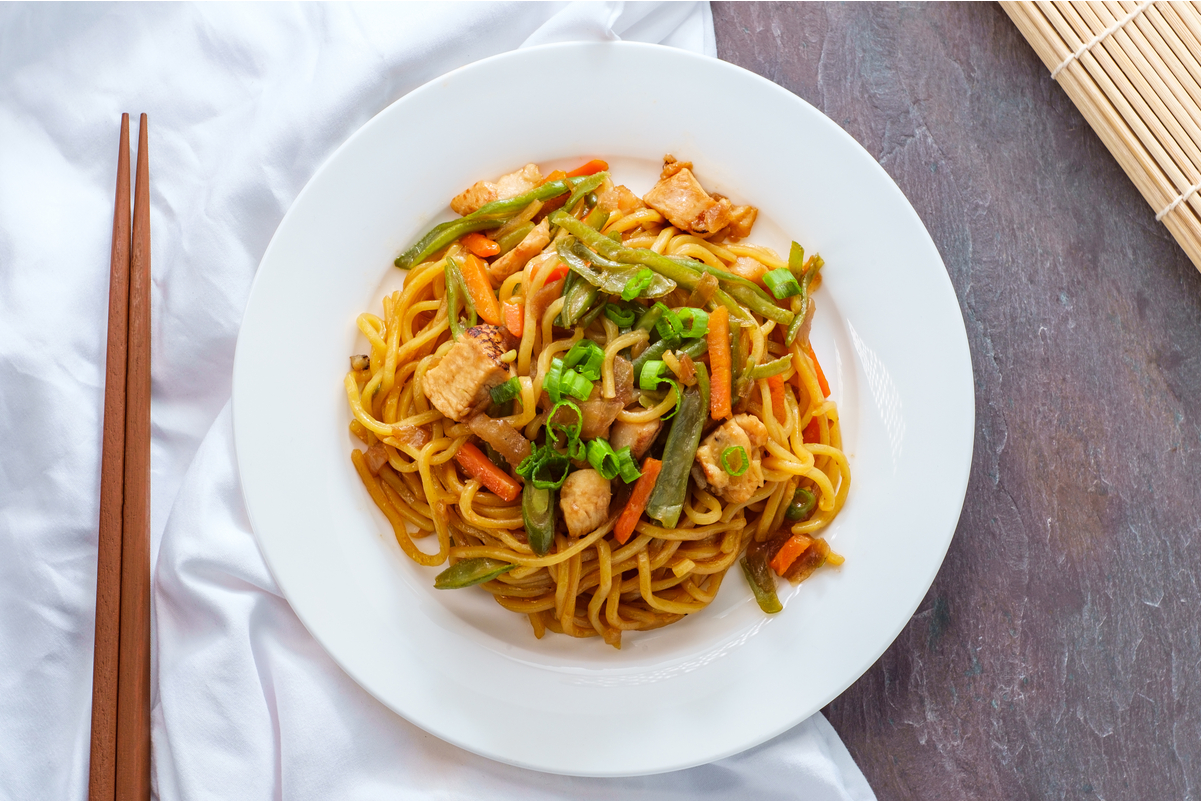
column 611, row 280
column 577, row 300
column 514, row 237
column 538, row 511
column 470, row 572
column 671, row 488
column 488, row 216
column 687, row 276
column 763, row 583
column 768, row 369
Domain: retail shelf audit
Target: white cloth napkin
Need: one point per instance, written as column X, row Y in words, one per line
column 245, row 102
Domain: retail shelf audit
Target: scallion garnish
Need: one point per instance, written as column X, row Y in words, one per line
column 638, row 284
column 502, row 393
column 782, row 283
column 744, row 461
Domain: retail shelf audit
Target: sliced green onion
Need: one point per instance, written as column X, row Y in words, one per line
column 507, row 391
column 652, row 374
column 623, row 316
column 669, row 327
column 570, row 432
column 782, row 283
column 575, row 385
column 587, row 357
column 554, row 376
column 603, row 459
column 768, row 369
column 627, row 467
column 545, row 468
column 641, row 280
column 744, row 461
column 695, row 322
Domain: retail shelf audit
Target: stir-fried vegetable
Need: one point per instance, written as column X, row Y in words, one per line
column 803, row 503
column 637, row 504
column 478, row 466
column 470, row 572
column 667, row 499
column 538, row 513
column 719, row 360
column 763, row 584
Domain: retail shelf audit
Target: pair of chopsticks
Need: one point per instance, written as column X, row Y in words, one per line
column 120, row 766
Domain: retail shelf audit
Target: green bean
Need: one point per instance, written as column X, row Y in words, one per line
column 671, row 488
column 655, row 351
column 696, row 348
column 596, row 219
column 453, row 299
column 612, row 276
column 648, row 319
column 488, row 216
column 584, row 187
column 470, row 572
column 441, row 236
column 538, row 512
column 514, row 237
column 768, row 369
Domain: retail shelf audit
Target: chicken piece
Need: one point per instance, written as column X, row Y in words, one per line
column 618, row 198
column 462, row 380
column 638, row 436
column 750, row 269
column 671, row 166
column 585, row 500
column 686, row 205
column 742, row 218
column 746, row 431
column 529, row 247
column 482, row 193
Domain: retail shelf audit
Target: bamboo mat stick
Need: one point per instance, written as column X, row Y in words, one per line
column 133, row 696
column 102, row 770
column 1133, row 69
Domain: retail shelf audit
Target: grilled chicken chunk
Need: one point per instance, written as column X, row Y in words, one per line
column 483, row 192
column 684, row 202
column 746, row 431
column 529, row 247
column 585, row 500
column 638, row 436
column 742, row 218
column 461, row 381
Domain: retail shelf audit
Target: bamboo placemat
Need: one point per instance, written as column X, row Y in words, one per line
column 1133, row 70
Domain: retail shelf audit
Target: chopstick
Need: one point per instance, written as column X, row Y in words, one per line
column 102, row 773
column 121, row 669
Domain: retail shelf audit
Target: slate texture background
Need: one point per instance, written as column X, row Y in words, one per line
column 1058, row 654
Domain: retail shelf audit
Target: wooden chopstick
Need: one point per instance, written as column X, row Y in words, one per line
column 102, row 773
column 133, row 693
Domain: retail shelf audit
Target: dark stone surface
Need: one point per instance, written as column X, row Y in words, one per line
column 1058, row 654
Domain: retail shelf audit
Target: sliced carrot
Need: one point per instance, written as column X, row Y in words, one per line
column 591, row 168
column 514, row 316
column 776, row 385
column 480, row 245
column 817, row 367
column 812, row 432
column 560, row 270
column 637, row 503
column 479, row 467
column 719, row 363
column 795, row 545
column 479, row 286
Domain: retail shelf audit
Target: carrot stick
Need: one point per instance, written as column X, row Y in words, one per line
column 796, row 545
column 475, row 276
column 812, row 432
column 514, row 316
column 591, row 168
column 478, row 466
column 480, row 245
column 719, row 363
column 817, row 368
column 776, row 385
column 637, row 503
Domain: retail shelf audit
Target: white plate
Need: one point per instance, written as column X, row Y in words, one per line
column 888, row 332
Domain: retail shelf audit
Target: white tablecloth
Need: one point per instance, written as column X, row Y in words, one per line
column 245, row 102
